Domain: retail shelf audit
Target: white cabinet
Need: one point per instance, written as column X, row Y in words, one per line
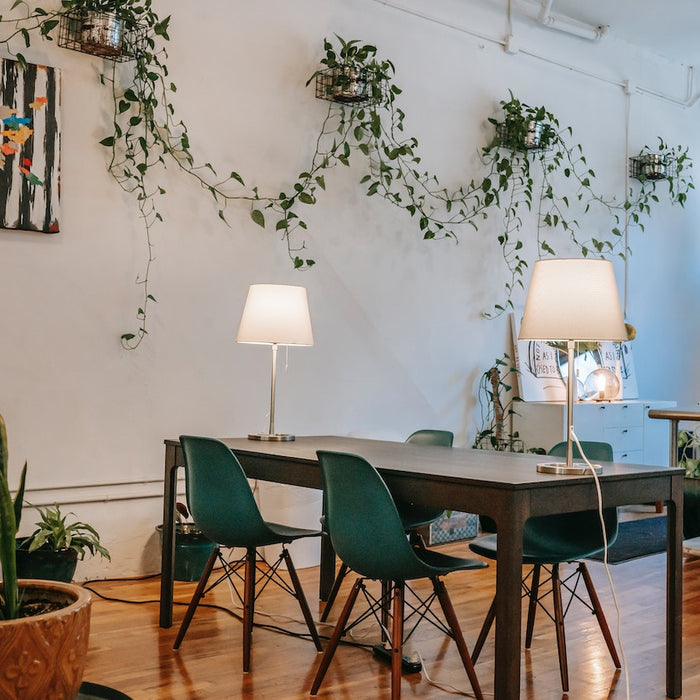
column 624, row 424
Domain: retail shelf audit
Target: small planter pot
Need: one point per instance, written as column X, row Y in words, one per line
column 691, row 508
column 46, row 564
column 43, row 656
column 192, row 550
column 101, row 34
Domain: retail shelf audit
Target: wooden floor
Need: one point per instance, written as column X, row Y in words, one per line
column 130, row 652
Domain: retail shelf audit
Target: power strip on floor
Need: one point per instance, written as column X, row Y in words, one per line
column 408, row 664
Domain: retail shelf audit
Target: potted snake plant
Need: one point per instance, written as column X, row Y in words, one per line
column 36, row 617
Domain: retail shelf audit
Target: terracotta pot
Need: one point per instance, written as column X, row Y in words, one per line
column 44, row 656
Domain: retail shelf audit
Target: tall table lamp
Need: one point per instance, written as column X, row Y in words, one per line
column 275, row 314
column 572, row 299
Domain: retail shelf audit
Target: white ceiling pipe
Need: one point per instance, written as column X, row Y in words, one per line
column 542, row 13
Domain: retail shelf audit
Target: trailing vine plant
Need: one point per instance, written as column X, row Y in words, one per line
column 145, row 135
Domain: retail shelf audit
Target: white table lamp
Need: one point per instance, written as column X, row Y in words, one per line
column 572, row 299
column 275, row 314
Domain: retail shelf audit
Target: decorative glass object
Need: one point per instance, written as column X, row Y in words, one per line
column 602, row 384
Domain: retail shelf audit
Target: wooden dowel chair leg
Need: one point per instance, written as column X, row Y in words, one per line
column 199, row 592
column 397, row 639
column 248, row 606
column 598, row 611
column 453, row 623
column 559, row 622
column 303, row 604
column 342, row 572
column 532, row 605
column 335, row 637
column 484, row 633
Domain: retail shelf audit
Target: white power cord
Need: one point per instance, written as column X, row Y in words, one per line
column 618, row 630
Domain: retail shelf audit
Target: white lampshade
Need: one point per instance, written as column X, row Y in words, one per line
column 573, row 299
column 276, row 314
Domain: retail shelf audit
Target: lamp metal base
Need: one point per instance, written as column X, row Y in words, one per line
column 271, row 437
column 580, row 469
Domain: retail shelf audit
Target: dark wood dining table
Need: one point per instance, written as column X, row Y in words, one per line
column 502, row 485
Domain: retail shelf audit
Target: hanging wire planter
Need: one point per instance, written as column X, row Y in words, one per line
column 652, row 166
column 521, row 135
column 101, row 34
column 358, row 87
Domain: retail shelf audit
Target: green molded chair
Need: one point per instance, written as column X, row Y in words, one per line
column 368, row 535
column 413, row 516
column 548, row 542
column 223, row 506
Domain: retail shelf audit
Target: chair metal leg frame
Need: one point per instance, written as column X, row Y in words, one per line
column 256, row 571
column 415, row 537
column 532, row 591
column 397, row 593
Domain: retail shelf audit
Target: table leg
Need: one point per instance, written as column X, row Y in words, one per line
column 168, row 543
column 508, row 606
column 674, row 592
column 327, row 572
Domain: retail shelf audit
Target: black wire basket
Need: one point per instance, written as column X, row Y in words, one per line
column 652, row 166
column 351, row 86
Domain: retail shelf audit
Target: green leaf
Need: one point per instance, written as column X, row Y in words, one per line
column 257, row 216
column 109, row 142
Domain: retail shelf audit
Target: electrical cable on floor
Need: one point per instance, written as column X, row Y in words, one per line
column 625, row 668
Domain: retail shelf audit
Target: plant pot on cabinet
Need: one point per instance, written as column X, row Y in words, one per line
column 46, row 563
column 192, row 550
column 43, row 656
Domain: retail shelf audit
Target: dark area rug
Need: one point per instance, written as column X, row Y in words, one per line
column 637, row 538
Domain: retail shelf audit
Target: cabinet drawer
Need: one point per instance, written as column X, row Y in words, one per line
column 610, row 415
column 624, row 438
column 631, row 456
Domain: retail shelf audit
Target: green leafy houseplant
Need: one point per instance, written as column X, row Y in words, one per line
column 55, row 533
column 497, row 398
column 10, row 515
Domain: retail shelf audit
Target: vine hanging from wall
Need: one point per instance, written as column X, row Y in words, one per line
column 362, row 118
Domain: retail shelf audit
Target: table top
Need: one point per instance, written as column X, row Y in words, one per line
column 506, row 470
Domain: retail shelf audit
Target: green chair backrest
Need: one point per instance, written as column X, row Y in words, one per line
column 219, row 495
column 362, row 520
column 601, row 451
column 573, row 535
column 443, row 438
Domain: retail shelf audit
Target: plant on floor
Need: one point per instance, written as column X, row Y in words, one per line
column 10, row 515
column 497, row 396
column 55, row 533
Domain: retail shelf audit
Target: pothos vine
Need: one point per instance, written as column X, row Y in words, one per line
column 146, row 135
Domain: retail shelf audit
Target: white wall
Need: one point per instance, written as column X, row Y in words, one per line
column 400, row 343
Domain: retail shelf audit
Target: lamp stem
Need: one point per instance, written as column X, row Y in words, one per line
column 570, row 384
column 273, row 382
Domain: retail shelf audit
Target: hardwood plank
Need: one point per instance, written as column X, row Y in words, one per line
column 130, row 652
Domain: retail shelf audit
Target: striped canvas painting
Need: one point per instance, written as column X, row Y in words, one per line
column 30, row 148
